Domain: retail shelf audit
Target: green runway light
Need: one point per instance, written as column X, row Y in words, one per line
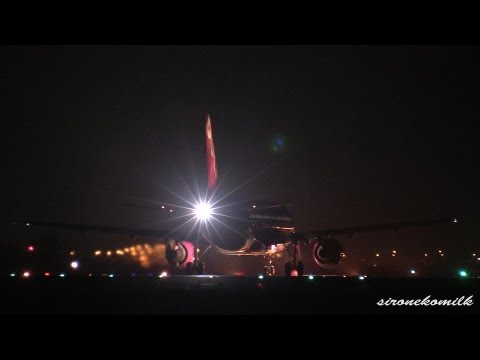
column 463, row 273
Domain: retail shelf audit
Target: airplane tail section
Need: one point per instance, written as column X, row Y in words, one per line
column 211, row 162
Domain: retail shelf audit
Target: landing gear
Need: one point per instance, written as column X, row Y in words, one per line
column 200, row 268
column 295, row 267
column 300, row 268
column 292, row 270
column 269, row 269
column 288, row 268
column 195, row 269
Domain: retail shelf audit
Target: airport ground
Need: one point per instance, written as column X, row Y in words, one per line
column 209, row 295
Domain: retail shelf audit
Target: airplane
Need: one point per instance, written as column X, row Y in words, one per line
column 249, row 228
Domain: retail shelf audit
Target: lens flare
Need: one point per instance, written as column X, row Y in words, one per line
column 203, row 211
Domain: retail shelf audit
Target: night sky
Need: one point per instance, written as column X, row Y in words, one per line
column 371, row 134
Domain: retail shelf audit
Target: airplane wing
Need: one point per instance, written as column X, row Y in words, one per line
column 212, row 181
column 95, row 228
column 179, row 253
column 376, row 227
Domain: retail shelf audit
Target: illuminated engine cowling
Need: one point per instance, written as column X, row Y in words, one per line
column 327, row 252
column 179, row 253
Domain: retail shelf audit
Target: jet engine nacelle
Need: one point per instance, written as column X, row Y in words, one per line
column 327, row 252
column 179, row 253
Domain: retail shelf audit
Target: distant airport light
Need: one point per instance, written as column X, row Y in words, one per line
column 273, row 248
column 90, row 274
column 210, row 276
column 260, row 277
column 361, row 277
column 426, row 254
column 163, row 207
column 474, row 254
column 439, row 251
column 74, row 264
column 171, row 210
column 463, row 273
column 203, row 211
column 72, row 253
column 310, row 277
column 62, row 275
column 413, row 272
column 254, row 206
column 12, row 274
column 454, row 220
column 441, row 254
column 109, row 253
column 98, row 252
column 119, row 252
column 28, row 224
column 111, row 275
column 26, row 274
column 278, row 144
column 47, row 274
column 163, row 274
column 478, row 259
column 31, row 248
column 394, row 251
column 377, row 254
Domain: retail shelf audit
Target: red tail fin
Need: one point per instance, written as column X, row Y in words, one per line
column 211, row 163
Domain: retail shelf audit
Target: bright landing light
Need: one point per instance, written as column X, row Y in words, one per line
column 203, row 211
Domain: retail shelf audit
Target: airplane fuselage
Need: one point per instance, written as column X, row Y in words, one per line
column 252, row 230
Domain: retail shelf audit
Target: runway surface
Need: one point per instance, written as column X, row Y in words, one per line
column 143, row 295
